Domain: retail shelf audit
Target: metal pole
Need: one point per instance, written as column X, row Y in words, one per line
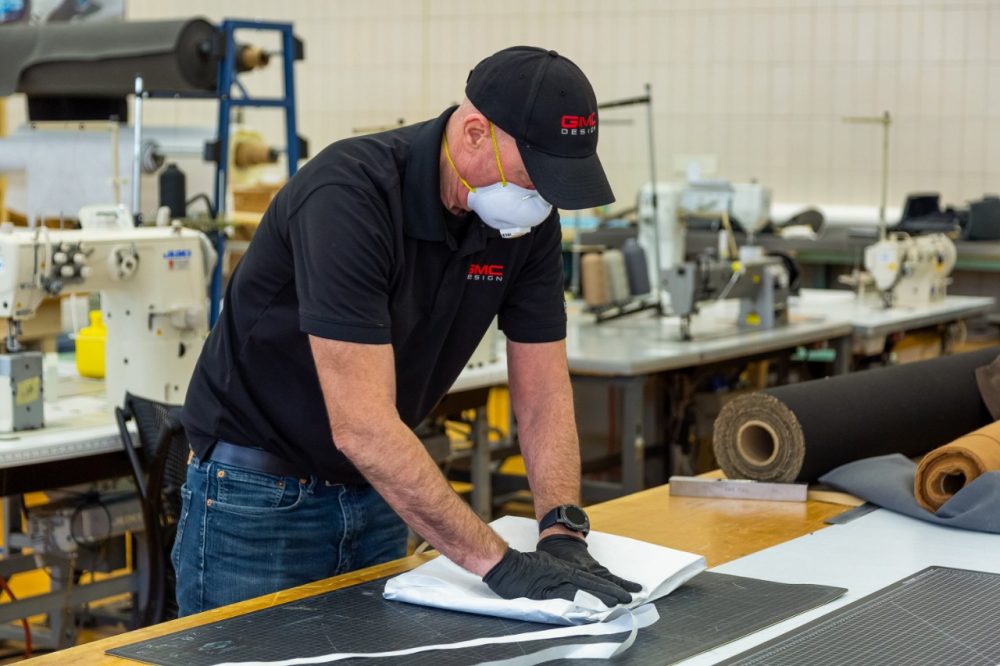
column 655, row 200
column 137, row 150
column 116, row 175
column 886, row 121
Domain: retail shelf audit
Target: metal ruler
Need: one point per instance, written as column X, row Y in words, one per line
column 695, row 486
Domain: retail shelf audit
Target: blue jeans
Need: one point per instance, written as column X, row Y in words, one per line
column 244, row 533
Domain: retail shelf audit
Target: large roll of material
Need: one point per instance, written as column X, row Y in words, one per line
column 801, row 431
column 949, row 468
column 102, row 59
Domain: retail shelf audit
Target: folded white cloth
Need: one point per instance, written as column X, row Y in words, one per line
column 443, row 584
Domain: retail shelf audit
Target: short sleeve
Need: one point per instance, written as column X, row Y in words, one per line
column 341, row 243
column 534, row 309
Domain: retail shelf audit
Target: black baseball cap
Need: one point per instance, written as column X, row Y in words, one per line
column 547, row 104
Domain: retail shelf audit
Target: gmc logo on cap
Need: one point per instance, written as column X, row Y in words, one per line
column 575, row 125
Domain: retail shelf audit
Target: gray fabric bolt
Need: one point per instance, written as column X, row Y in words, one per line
column 888, row 482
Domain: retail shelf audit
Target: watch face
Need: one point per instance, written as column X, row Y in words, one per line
column 576, row 516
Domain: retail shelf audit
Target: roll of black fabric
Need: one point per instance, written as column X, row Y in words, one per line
column 801, row 431
column 102, row 59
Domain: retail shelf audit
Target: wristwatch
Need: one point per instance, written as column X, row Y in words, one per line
column 568, row 515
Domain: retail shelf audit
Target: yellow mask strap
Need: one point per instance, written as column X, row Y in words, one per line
column 447, row 155
column 496, row 154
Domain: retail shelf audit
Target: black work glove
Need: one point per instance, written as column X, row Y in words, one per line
column 541, row 576
column 574, row 552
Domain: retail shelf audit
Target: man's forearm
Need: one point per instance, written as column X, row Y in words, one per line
column 542, row 397
column 543, row 404
column 551, row 450
column 400, row 469
column 358, row 383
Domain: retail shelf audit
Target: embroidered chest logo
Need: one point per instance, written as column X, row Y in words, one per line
column 485, row 272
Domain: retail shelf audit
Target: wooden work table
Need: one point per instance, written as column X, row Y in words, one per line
column 720, row 529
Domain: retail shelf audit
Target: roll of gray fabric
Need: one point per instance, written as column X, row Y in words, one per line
column 102, row 59
column 801, row 431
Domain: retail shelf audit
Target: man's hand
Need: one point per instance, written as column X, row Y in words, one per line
column 573, row 551
column 539, row 575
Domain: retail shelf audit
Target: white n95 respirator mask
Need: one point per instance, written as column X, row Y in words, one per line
column 510, row 209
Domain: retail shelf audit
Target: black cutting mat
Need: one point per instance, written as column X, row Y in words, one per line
column 936, row 616
column 708, row 611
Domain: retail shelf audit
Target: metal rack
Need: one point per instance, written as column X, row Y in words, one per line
column 291, row 50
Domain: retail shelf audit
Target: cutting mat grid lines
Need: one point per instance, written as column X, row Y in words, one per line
column 710, row 610
column 935, row 617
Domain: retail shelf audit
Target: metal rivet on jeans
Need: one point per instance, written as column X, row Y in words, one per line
column 281, row 484
column 303, row 481
column 208, row 503
column 222, row 473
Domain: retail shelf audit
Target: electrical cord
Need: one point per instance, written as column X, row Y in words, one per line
column 204, row 197
column 24, row 621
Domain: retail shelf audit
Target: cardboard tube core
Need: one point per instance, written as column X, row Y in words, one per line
column 757, row 442
column 952, row 482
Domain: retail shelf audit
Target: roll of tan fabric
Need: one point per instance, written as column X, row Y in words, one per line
column 949, row 468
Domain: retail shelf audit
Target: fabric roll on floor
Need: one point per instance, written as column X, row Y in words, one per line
column 949, row 468
column 102, row 59
column 798, row 432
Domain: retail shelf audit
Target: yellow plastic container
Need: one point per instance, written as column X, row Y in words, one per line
column 90, row 343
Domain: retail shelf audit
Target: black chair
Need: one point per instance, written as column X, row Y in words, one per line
column 159, row 467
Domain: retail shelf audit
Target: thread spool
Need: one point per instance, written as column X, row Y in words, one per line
column 614, row 271
column 595, row 284
column 636, row 267
column 251, row 153
column 173, row 191
column 251, row 57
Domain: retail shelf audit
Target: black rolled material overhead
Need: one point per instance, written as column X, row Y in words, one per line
column 102, row 59
column 801, row 431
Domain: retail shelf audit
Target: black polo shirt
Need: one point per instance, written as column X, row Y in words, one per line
column 356, row 247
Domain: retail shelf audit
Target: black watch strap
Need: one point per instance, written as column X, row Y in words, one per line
column 569, row 516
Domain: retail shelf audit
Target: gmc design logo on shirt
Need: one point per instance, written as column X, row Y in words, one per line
column 577, row 125
column 488, row 272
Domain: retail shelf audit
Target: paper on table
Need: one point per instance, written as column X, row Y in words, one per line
column 443, row 584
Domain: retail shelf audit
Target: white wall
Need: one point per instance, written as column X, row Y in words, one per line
column 761, row 84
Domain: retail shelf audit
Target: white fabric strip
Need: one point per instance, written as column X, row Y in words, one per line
column 628, row 621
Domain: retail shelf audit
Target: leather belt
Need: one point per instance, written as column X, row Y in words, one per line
column 256, row 460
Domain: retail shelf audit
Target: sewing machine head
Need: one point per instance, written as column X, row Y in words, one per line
column 760, row 282
column 153, row 284
column 911, row 271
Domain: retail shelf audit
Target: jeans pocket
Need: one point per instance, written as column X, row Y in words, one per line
column 175, row 551
column 241, row 491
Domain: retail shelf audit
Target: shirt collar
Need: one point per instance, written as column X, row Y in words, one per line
column 423, row 217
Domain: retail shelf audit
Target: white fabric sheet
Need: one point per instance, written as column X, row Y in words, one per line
column 628, row 621
column 442, row 584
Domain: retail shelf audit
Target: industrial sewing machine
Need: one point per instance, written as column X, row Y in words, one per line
column 702, row 202
column 153, row 284
column 911, row 271
column 761, row 283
